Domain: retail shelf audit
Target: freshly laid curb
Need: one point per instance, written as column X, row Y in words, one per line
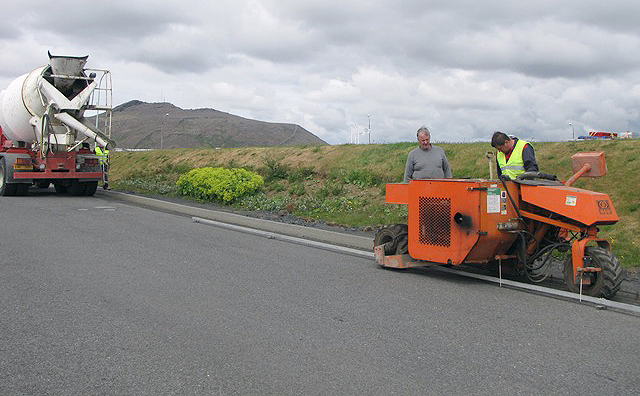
column 332, row 237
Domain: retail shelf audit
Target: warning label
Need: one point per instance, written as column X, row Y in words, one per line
column 493, row 200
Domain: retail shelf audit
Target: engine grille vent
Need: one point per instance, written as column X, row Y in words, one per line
column 435, row 221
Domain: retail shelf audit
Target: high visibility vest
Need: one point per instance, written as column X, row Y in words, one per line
column 515, row 165
column 102, row 155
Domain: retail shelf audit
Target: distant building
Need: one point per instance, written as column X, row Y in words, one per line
column 607, row 135
column 626, row 135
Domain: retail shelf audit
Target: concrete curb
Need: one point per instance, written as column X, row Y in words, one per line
column 342, row 243
column 331, row 237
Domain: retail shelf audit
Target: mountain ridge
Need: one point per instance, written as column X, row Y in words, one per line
column 138, row 124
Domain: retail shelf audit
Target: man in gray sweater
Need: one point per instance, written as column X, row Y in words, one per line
column 426, row 161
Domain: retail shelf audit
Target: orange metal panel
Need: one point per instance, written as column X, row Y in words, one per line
column 396, row 260
column 547, row 220
column 596, row 161
column 455, row 220
column 397, row 193
column 587, row 207
column 578, row 248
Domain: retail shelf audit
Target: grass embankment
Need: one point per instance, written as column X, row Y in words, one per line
column 345, row 184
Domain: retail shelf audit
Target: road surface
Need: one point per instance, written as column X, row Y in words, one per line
column 101, row 297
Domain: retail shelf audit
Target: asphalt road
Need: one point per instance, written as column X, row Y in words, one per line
column 101, row 297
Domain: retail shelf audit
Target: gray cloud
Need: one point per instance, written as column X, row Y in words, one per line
column 465, row 68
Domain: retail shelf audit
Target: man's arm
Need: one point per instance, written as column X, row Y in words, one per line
column 445, row 166
column 529, row 158
column 408, row 168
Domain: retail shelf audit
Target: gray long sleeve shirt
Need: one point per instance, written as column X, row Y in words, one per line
column 426, row 164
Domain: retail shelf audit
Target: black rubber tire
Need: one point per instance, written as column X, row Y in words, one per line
column 402, row 243
column 6, row 189
column 60, row 188
column 22, row 189
column 76, row 188
column 90, row 188
column 400, row 228
column 386, row 236
column 606, row 283
column 401, row 240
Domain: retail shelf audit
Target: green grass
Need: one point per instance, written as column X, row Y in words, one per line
column 345, row 184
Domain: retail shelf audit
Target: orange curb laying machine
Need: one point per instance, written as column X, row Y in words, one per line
column 521, row 226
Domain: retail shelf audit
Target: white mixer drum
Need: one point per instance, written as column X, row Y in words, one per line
column 19, row 103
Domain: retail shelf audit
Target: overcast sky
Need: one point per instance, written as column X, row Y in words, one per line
column 463, row 68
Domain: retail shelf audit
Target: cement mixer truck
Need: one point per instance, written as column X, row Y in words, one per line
column 51, row 120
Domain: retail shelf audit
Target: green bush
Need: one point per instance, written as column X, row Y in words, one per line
column 218, row 184
column 362, row 178
column 297, row 189
column 274, row 169
column 300, row 174
column 275, row 186
column 151, row 184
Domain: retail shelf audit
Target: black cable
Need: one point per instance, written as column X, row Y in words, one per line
column 545, row 266
column 513, row 202
column 46, row 125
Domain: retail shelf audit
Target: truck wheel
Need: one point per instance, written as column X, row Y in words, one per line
column 76, row 188
column 6, row 189
column 22, row 189
column 605, row 283
column 90, row 188
column 60, row 188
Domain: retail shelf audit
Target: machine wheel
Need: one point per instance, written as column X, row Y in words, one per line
column 76, row 188
column 60, row 188
column 400, row 228
column 386, row 236
column 90, row 188
column 6, row 189
column 402, row 243
column 605, row 283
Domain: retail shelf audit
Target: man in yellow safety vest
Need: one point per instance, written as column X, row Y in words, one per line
column 514, row 156
column 103, row 157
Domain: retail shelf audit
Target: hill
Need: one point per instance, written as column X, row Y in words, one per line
column 139, row 124
column 346, row 184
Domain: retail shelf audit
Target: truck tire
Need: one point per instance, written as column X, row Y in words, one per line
column 60, row 188
column 22, row 189
column 6, row 189
column 605, row 283
column 90, row 188
column 76, row 188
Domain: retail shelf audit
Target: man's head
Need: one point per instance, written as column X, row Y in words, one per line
column 502, row 142
column 424, row 137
